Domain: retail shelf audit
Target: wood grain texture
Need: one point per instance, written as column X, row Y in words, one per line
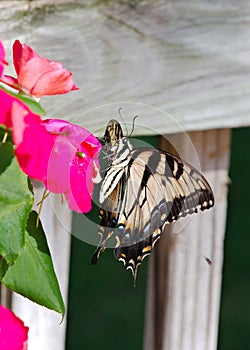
column 191, row 60
column 185, row 273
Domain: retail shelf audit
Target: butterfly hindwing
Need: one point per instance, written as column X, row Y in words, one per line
column 160, row 190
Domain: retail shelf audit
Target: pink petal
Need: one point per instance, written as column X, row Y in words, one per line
column 82, row 172
column 3, row 62
column 6, row 101
column 76, row 133
column 13, row 333
column 55, row 82
column 2, row 58
column 58, row 170
column 22, row 53
column 43, row 77
column 81, row 185
column 69, row 171
column 10, row 81
column 33, row 143
column 2, row 52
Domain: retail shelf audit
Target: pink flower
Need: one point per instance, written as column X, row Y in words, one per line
column 33, row 143
column 37, row 75
column 2, row 58
column 73, row 164
column 62, row 155
column 13, row 333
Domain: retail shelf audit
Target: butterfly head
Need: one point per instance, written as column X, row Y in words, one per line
column 113, row 133
column 118, row 146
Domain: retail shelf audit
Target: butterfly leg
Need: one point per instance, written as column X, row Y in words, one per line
column 106, row 233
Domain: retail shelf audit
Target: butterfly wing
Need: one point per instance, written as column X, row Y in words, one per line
column 144, row 189
column 160, row 189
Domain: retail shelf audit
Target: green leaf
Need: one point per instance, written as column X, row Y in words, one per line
column 33, row 275
column 6, row 155
column 33, row 105
column 15, row 204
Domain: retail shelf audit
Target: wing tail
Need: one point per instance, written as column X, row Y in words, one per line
column 133, row 255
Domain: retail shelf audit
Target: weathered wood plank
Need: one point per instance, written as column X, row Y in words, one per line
column 190, row 59
column 184, row 287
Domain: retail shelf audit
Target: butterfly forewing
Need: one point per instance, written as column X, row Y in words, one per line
column 143, row 190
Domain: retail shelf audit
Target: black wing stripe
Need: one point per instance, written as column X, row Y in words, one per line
column 110, row 181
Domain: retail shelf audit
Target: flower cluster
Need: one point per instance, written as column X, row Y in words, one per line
column 62, row 155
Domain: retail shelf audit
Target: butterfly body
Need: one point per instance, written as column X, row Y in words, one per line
column 144, row 189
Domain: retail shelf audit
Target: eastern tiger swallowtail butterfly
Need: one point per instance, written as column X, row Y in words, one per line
column 144, row 189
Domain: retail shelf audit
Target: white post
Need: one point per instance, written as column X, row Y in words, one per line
column 45, row 329
column 185, row 270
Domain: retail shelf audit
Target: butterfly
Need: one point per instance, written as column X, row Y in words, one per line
column 142, row 190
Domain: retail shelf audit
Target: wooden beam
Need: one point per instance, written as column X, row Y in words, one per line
column 190, row 59
column 185, row 270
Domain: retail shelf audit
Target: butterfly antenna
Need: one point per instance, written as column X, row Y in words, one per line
column 123, row 120
column 133, row 125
